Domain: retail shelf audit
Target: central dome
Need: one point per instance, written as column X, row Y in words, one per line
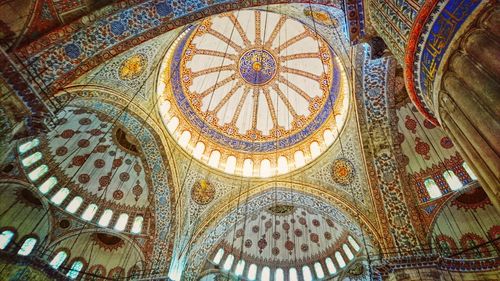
column 252, row 86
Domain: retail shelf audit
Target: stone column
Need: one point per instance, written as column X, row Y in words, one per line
column 469, row 99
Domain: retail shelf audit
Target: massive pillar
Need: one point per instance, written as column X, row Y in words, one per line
column 452, row 73
column 469, row 99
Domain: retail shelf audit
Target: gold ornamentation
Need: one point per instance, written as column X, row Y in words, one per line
column 281, row 209
column 202, row 192
column 342, row 171
column 132, row 67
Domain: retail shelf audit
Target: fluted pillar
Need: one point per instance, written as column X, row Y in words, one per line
column 469, row 100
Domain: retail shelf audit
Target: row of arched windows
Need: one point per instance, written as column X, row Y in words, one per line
column 452, row 180
column 253, row 272
column 26, row 248
column 62, row 194
column 265, row 168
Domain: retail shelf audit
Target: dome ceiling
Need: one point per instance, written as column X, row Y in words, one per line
column 255, row 83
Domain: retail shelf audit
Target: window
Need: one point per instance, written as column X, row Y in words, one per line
column 27, row 247
column 282, row 165
column 469, row 171
column 240, row 266
column 74, row 204
column 121, row 223
column 265, row 168
column 218, row 256
column 105, row 218
column 328, row 137
column 330, row 266
column 353, row 243
column 230, row 165
column 214, row 158
column 59, row 197
column 5, row 238
column 228, row 263
column 137, row 225
column 252, row 272
column 184, row 139
column 165, row 106
column 452, row 180
column 340, row 259
column 432, row 188
column 347, row 252
column 293, row 274
column 75, row 269
column 198, row 150
column 265, row 275
column 33, row 158
column 47, row 185
column 172, row 124
column 306, row 273
column 58, row 259
column 279, row 275
column 38, row 172
column 247, row 168
column 89, row 213
column 315, row 150
column 299, row 158
column 28, row 145
column 319, row 270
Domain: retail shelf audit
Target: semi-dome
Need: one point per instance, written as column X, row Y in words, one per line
column 252, row 93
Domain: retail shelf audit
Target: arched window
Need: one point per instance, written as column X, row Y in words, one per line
column 353, row 243
column 75, row 269
column 230, row 165
column 74, row 205
column 469, row 171
column 252, row 272
column 218, row 256
column 347, row 252
column 432, row 188
column 33, row 158
column 299, row 158
column 198, row 150
column 184, row 139
column 5, row 238
column 330, row 266
column 89, row 213
column 240, row 266
column 173, row 124
column 58, row 259
column 306, row 273
column 315, row 150
column 214, row 159
column 340, row 259
column 121, row 223
column 292, row 274
column 265, row 275
column 265, row 168
column 47, row 185
column 137, row 225
column 38, row 172
column 165, row 106
column 27, row 246
column 59, row 197
column 247, row 168
column 228, row 263
column 452, row 180
column 282, row 165
column 279, row 275
column 28, row 145
column 105, row 218
column 319, row 270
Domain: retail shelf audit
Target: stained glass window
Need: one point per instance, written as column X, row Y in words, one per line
column 319, row 270
column 353, row 243
column 293, row 274
column 330, row 266
column 5, row 238
column 247, row 168
column 340, row 259
column 58, row 259
column 59, row 197
column 265, row 275
column 27, row 247
column 240, row 266
column 228, row 263
column 105, row 218
column 89, row 213
column 469, row 171
column 74, row 204
column 452, row 180
column 28, row 145
column 230, row 164
column 33, row 158
column 348, row 252
column 137, row 225
column 218, row 256
column 279, row 275
column 75, row 269
column 432, row 188
column 38, row 172
column 47, row 185
column 306, row 273
column 265, row 168
column 252, row 272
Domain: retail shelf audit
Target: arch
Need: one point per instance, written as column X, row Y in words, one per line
column 172, row 124
column 31, row 159
column 265, row 169
column 105, row 218
column 27, row 246
column 330, row 266
column 292, row 274
column 299, row 158
column 6, row 236
column 60, row 196
column 252, row 272
column 230, row 166
column 453, row 181
column 137, row 225
column 247, row 168
column 315, row 150
column 469, row 243
column 26, row 146
column 76, row 267
column 38, row 172
column 122, row 221
column 58, row 259
column 469, row 171
column 218, row 257
column 98, row 270
column 74, row 204
column 240, row 267
column 282, row 165
column 446, row 245
column 184, row 139
column 198, row 150
column 89, row 212
column 116, row 273
column 228, row 263
column 306, row 273
column 432, row 188
column 348, row 252
column 340, row 259
column 213, row 160
column 47, row 185
column 265, row 274
column 318, row 269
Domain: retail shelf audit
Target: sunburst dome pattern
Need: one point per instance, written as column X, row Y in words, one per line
column 253, row 82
